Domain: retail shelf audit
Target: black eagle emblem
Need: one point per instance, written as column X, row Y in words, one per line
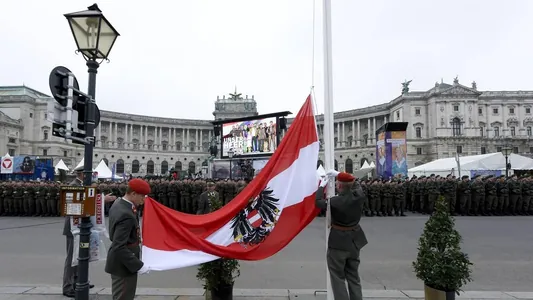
column 265, row 206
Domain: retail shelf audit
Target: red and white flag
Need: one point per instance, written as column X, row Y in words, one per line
column 257, row 223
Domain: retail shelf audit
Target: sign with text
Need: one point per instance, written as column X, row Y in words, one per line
column 78, row 201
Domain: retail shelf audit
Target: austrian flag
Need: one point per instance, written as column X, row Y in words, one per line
column 257, row 223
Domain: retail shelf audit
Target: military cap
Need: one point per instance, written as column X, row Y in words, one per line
column 210, row 183
column 345, row 177
column 438, row 176
column 422, row 177
column 432, row 175
column 139, row 186
column 464, row 177
column 449, row 175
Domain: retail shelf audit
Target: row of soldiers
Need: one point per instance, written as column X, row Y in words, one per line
column 19, row 198
column 481, row 195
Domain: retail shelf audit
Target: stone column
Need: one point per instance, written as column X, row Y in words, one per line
column 126, row 139
column 196, row 139
column 386, row 120
column 99, row 135
column 343, row 134
column 374, row 131
column 116, row 135
column 368, row 127
column 201, row 141
column 187, row 139
column 358, row 132
column 353, row 134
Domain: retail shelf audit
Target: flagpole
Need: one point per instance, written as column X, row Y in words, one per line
column 329, row 155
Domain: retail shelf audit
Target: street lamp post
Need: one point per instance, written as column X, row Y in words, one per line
column 94, row 37
column 506, row 151
column 230, row 155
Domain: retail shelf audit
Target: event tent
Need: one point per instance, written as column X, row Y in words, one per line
column 494, row 162
column 61, row 166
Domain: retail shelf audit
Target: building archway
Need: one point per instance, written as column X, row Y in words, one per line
column 164, row 167
column 135, row 167
column 119, row 168
column 177, row 166
column 150, row 167
column 319, row 163
column 363, row 161
column 192, row 168
column 348, row 166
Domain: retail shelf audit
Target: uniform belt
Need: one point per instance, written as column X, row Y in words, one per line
column 133, row 244
column 344, row 228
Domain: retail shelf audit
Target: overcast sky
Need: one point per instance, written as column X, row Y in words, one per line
column 174, row 57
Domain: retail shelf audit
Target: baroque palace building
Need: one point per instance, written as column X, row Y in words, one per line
column 442, row 121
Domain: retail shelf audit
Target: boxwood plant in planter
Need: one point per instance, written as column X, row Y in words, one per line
column 440, row 263
column 218, row 276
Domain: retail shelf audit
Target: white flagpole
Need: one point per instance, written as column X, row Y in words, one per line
column 329, row 154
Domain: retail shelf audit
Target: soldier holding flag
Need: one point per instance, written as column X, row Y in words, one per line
column 346, row 237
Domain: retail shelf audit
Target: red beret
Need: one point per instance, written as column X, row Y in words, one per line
column 139, row 186
column 345, row 177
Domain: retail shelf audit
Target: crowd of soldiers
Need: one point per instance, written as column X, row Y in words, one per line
column 481, row 195
column 20, row 198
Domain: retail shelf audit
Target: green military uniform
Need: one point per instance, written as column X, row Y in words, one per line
column 433, row 191
column 478, row 195
column 345, row 241
column 463, row 187
column 29, row 200
column 490, row 195
column 399, row 198
column 40, row 200
column 515, row 191
column 162, row 193
column 173, row 195
column 502, row 190
column 388, row 196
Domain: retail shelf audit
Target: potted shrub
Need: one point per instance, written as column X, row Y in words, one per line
column 440, row 263
column 218, row 276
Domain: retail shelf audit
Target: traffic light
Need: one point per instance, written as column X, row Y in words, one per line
column 69, row 113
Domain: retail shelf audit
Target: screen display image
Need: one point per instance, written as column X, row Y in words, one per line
column 250, row 137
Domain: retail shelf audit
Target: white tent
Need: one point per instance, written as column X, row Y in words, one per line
column 61, row 166
column 372, row 165
column 365, row 165
column 81, row 163
column 484, row 162
column 103, row 171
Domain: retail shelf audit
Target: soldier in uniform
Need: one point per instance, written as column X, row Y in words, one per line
column 40, row 199
column 502, row 191
column 162, row 193
column 18, row 193
column 478, row 194
column 205, row 199
column 346, row 238
column 388, row 195
column 186, row 203
column 2, row 186
column 515, row 191
column 527, row 194
column 463, row 188
column 490, row 196
column 433, row 189
column 8, row 199
column 399, row 198
column 29, row 199
column 173, row 195
column 123, row 258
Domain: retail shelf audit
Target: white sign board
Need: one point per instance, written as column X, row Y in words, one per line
column 6, row 166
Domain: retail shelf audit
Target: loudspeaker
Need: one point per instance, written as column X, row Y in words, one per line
column 282, row 123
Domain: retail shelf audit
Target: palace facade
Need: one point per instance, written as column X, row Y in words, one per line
column 444, row 120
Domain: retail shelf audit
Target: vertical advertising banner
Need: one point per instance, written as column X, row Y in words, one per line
column 381, row 155
column 398, row 151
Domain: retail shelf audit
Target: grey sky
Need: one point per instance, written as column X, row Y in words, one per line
column 174, row 57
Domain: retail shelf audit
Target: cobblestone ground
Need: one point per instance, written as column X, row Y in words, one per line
column 32, row 253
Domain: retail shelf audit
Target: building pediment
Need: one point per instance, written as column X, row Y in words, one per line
column 7, row 119
column 459, row 91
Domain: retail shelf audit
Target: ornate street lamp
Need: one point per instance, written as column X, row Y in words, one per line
column 94, row 37
column 506, row 151
column 230, row 155
column 93, row 33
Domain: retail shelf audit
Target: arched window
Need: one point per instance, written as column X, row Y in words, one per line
column 348, row 166
column 106, row 161
column 192, row 168
column 177, row 166
column 119, row 169
column 528, row 131
column 150, row 167
column 164, row 167
column 418, row 132
column 135, row 166
column 178, row 146
column 336, row 165
column 192, row 146
column 319, row 163
column 456, row 127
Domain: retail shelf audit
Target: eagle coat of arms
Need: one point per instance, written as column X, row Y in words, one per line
column 253, row 224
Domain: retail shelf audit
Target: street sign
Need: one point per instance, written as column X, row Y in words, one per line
column 7, row 165
column 58, row 82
